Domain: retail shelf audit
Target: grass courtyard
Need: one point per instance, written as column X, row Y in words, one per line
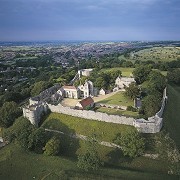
column 118, row 112
column 118, row 99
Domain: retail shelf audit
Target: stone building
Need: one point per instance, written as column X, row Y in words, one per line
column 87, row 89
column 71, row 92
column 34, row 111
column 85, row 103
column 85, row 72
column 122, row 82
column 102, row 91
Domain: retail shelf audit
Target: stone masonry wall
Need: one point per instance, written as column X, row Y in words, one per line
column 92, row 115
column 152, row 125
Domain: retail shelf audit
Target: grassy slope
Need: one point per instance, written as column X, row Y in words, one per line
column 16, row 164
column 118, row 99
column 70, row 124
column 154, row 54
column 172, row 113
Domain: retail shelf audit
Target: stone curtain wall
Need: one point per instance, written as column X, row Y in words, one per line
column 152, row 125
column 160, row 112
column 92, row 115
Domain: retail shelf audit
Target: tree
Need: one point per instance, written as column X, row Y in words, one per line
column 39, row 87
column 90, row 160
column 156, row 81
column 52, row 147
column 100, row 82
column 8, row 113
column 37, row 140
column 20, row 130
column 132, row 91
column 141, row 73
column 151, row 104
column 174, row 76
column 131, row 142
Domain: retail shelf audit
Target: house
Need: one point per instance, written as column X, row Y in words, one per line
column 85, row 103
column 102, row 91
column 71, row 92
column 122, row 82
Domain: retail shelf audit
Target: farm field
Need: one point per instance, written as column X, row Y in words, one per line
column 118, row 99
column 16, row 164
column 118, row 112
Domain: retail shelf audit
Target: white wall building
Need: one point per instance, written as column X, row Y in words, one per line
column 71, row 92
column 85, row 72
column 122, row 82
column 87, row 89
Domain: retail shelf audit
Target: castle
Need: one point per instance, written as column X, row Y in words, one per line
column 50, row 100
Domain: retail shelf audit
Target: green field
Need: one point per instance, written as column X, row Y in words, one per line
column 118, row 99
column 118, row 112
column 154, row 54
column 127, row 72
column 172, row 113
column 16, row 164
column 69, row 124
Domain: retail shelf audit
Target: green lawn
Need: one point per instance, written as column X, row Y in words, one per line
column 118, row 99
column 69, row 124
column 118, row 112
column 16, row 164
column 125, row 71
column 172, row 113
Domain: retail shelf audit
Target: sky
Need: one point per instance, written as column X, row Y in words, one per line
column 126, row 20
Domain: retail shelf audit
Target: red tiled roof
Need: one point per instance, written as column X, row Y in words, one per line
column 69, row 87
column 86, row 102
